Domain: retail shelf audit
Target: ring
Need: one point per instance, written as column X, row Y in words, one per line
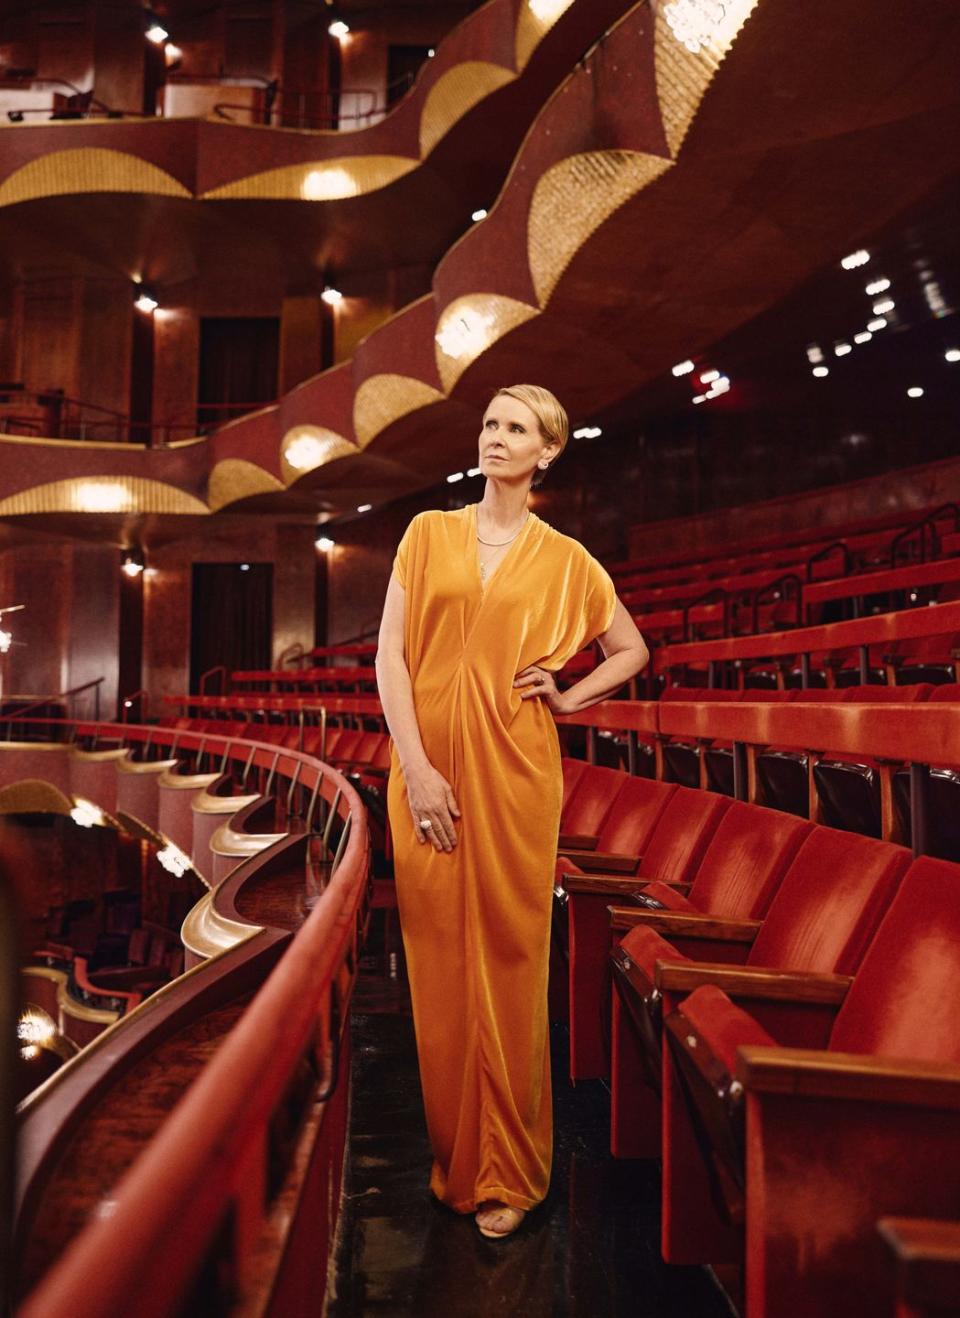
column 425, row 823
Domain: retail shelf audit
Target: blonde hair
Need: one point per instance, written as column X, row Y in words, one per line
column 549, row 411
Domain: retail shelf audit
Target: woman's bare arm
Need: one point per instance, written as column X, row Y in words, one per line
column 429, row 795
column 625, row 655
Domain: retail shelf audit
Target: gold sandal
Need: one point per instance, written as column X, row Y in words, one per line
column 517, row 1214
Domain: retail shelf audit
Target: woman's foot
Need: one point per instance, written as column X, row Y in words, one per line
column 498, row 1220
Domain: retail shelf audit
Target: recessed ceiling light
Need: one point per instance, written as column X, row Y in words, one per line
column 915, row 392
column 682, row 368
column 952, row 355
column 477, row 215
column 841, row 349
column 820, row 371
column 878, row 286
column 863, row 337
column 364, row 507
column 814, row 353
column 875, row 325
column 708, row 377
column 860, row 257
column 457, row 476
column 886, row 305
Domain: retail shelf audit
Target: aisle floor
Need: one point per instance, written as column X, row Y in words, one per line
column 591, row 1249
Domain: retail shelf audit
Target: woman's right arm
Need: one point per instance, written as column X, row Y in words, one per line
column 429, row 795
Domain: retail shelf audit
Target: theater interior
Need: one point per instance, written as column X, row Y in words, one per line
column 263, row 263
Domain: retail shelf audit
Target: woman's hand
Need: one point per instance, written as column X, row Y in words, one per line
column 533, row 681
column 430, row 798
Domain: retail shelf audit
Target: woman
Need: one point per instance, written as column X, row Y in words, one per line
column 484, row 606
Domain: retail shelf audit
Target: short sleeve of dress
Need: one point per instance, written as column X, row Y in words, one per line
column 599, row 601
column 401, row 562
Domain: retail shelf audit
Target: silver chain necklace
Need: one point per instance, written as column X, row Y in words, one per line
column 498, row 544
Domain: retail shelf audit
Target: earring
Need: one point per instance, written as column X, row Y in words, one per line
column 543, row 464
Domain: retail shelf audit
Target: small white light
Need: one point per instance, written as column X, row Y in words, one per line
column 860, row 257
column 6, row 640
column 863, row 337
column 681, row 368
column 474, row 471
column 841, row 349
column 172, row 54
column 331, row 296
column 915, row 392
column 821, row 371
column 700, row 398
column 244, row 567
column 457, row 476
column 86, row 814
column 157, row 34
column 324, row 544
column 874, row 325
column 173, row 860
column 364, row 507
column 144, row 302
column 339, row 29
column 879, row 308
column 708, row 377
column 878, row 286
column 128, row 704
column 478, row 215
column 430, row 53
column 814, row 353
column 952, row 355
column 131, row 568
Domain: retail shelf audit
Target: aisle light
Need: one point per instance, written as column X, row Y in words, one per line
column 860, row 257
column 682, row 368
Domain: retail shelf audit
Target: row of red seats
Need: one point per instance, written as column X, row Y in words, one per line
column 797, row 945
column 351, row 749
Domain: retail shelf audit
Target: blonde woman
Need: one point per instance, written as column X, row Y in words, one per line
column 484, row 606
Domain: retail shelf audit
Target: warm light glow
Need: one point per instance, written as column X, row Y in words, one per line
column 456, row 476
column 328, row 184
column 700, row 398
column 478, row 215
column 695, row 23
column 915, row 392
column 878, row 286
column 841, row 349
column 548, row 11
column 952, row 355
column 156, row 34
column 874, row 325
column 681, row 368
column 708, row 377
column 331, row 296
column 860, row 257
column 324, row 544
column 144, row 302
column 339, row 29
column 131, row 567
column 102, row 497
column 6, row 640
column 173, row 860
column 814, row 353
column 935, row 299
column 465, row 336
column 863, row 337
column 305, row 452
column 886, row 305
column 172, row 54
column 35, row 1027
column 821, row 371
column 364, row 507
column 720, row 386
column 86, row 814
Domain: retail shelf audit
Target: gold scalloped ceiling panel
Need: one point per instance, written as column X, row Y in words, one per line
column 87, row 169
column 534, row 21
column 691, row 40
column 235, row 478
column 572, row 199
column 305, row 448
column 319, row 180
column 383, row 399
column 472, row 324
column 33, row 796
column 455, row 93
column 103, row 495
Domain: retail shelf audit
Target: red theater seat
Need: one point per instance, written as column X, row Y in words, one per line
column 591, row 795
column 818, row 1144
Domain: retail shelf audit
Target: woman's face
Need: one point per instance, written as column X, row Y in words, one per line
column 511, row 444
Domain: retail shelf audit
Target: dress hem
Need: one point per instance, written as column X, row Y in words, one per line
column 498, row 1194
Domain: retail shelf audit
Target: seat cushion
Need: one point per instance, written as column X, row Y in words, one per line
column 646, row 948
column 721, row 1024
column 668, row 896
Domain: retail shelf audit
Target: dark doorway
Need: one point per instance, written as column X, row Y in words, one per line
column 231, row 618
column 403, row 65
column 238, row 365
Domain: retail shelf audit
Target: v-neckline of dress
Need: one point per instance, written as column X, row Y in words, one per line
column 518, row 538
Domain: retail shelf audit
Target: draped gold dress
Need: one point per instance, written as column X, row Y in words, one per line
column 476, row 921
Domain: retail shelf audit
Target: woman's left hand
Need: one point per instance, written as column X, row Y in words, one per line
column 533, row 681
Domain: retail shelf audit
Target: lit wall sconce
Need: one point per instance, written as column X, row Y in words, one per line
column 325, row 544
column 332, row 296
column 156, row 33
column 339, row 29
column 145, row 301
column 132, row 565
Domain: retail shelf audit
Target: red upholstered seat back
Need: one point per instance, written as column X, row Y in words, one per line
column 699, row 693
column 573, row 771
column 366, row 747
column 903, row 1001
column 745, row 861
column 821, row 695
column 591, row 799
column 347, row 744
column 830, row 903
column 947, row 691
column 897, row 695
column 682, row 834
column 633, row 815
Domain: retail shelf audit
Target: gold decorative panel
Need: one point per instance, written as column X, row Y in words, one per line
column 469, row 326
column 534, row 21
column 691, row 40
column 235, row 478
column 320, row 180
column 305, row 448
column 382, row 399
column 33, row 796
column 87, row 169
column 453, row 94
column 572, row 199
column 102, row 494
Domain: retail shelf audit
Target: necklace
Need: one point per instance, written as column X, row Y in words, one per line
column 497, row 544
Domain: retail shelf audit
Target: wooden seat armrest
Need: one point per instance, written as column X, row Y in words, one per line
column 614, row 885
column 685, row 924
column 752, row 982
column 927, row 1260
column 613, row 862
column 576, row 842
column 809, row 1073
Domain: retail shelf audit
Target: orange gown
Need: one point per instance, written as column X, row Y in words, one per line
column 476, row 921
